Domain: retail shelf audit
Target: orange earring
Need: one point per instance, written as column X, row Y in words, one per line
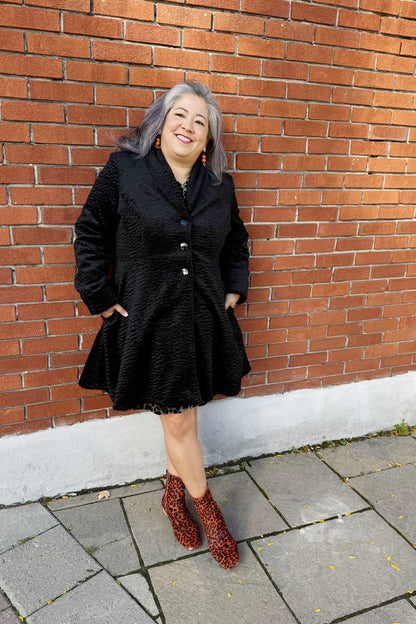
column 204, row 157
column 157, row 142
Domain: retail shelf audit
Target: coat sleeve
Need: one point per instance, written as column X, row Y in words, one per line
column 95, row 230
column 234, row 255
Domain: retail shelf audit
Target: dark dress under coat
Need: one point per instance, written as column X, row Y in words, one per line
column 176, row 256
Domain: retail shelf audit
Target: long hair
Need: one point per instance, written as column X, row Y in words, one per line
column 143, row 137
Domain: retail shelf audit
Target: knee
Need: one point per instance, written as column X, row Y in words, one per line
column 178, row 425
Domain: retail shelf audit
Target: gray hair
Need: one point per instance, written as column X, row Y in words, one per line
column 143, row 137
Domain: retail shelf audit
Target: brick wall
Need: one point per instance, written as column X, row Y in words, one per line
column 320, row 127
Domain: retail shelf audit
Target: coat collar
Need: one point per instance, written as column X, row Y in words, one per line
column 169, row 187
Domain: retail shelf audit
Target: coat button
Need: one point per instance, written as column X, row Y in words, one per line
column 185, row 271
column 184, row 246
column 184, row 222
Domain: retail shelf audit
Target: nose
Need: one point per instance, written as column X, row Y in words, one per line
column 187, row 124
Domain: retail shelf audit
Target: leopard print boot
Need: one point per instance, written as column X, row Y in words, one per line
column 173, row 502
column 221, row 545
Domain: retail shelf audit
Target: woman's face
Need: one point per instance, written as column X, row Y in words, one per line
column 185, row 132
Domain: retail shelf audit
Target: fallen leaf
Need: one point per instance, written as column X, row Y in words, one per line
column 305, row 506
column 270, row 544
column 104, row 494
column 388, row 558
column 174, row 583
column 351, row 557
column 260, row 548
column 229, row 595
column 332, row 567
column 400, row 517
column 395, row 567
column 317, row 610
column 240, row 581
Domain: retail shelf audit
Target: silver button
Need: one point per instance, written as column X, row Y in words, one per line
column 184, row 246
column 185, row 271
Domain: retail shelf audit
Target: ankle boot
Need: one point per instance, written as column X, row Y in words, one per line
column 173, row 502
column 221, row 545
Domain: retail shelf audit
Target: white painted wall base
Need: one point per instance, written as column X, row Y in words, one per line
column 119, row 450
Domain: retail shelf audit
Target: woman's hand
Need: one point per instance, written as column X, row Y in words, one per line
column 231, row 300
column 117, row 307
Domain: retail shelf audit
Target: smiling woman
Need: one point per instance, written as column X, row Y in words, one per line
column 166, row 211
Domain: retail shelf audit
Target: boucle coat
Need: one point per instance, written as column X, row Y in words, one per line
column 174, row 258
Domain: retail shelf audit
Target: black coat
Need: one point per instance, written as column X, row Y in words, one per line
column 175, row 259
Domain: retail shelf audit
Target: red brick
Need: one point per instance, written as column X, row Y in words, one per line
column 359, row 20
column 96, row 72
column 398, row 27
column 60, row 215
column 259, row 125
column 32, row 111
column 216, row 4
column 370, row 115
column 258, row 161
column 57, row 45
column 96, row 402
column 94, row 26
column 121, row 52
column 35, row 154
column 281, row 69
column 21, row 255
column 351, row 274
column 19, row 364
column 288, row 348
column 317, row 15
column 151, row 33
column 372, row 79
column 287, row 375
column 40, row 195
column 299, row 197
column 262, row 248
column 24, row 427
column 22, row 17
column 66, row 175
column 389, row 62
column 58, row 255
column 152, row 77
column 346, row 163
column 348, row 130
column 396, row 165
column 84, row 114
column 17, row 294
column 208, row 41
column 307, row 359
column 67, row 135
column 303, row 163
column 289, row 31
column 51, row 377
column 369, row 148
column 65, row 92
column 66, row 421
column 240, row 143
column 13, row 87
column 133, row 9
column 253, row 46
column 217, row 84
column 83, row 6
column 328, row 146
column 183, row 16
column 7, row 313
column 90, row 156
column 274, row 214
column 345, row 329
column 337, row 37
column 352, row 96
column 123, row 96
column 10, row 382
column 331, row 75
column 294, row 262
column 15, row 175
column 30, row 66
column 321, row 213
column 305, row 128
column 315, row 246
column 41, row 275
column 12, row 41
column 273, row 108
column 361, row 180
column 49, row 410
column 307, row 92
column 231, row 22
column 279, row 8
column 49, row 344
column 353, row 244
column 232, row 64
column 180, row 58
column 408, row 9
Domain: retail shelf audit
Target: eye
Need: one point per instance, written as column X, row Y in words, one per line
column 179, row 114
column 201, row 123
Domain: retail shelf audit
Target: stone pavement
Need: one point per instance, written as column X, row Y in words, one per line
column 324, row 536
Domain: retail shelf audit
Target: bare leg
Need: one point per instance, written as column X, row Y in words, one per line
column 184, row 455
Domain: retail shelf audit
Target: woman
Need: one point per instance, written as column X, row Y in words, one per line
column 162, row 255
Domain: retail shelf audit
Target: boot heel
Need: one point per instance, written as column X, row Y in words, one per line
column 174, row 507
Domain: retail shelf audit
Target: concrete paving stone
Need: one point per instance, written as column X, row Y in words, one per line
column 366, row 456
column 9, row 617
column 42, row 568
column 4, row 603
column 102, row 526
column 246, row 512
column 393, row 493
column 400, row 611
column 138, row 587
column 197, row 591
column 303, row 489
column 100, row 600
column 22, row 522
column 356, row 562
column 93, row 497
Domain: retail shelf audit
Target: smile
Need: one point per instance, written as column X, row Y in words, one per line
column 183, row 139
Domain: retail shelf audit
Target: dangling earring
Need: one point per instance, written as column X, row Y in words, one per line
column 204, row 157
column 157, row 142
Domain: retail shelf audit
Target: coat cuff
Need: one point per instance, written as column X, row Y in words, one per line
column 101, row 301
